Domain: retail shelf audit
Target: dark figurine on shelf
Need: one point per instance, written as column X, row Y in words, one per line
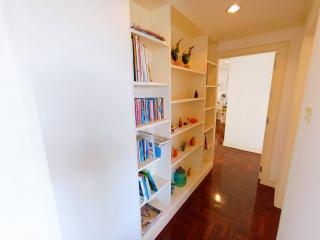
column 205, row 143
column 196, row 95
column 192, row 141
column 173, row 185
column 183, row 146
column 175, row 52
column 185, row 123
column 189, row 172
column 180, row 123
column 186, row 56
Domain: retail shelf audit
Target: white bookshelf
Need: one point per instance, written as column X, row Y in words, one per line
column 177, row 85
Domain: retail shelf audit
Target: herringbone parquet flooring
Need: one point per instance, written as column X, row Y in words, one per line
column 228, row 205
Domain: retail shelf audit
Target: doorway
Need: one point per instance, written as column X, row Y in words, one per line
column 243, row 99
column 280, row 49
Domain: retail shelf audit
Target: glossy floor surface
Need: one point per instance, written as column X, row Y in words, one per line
column 228, row 205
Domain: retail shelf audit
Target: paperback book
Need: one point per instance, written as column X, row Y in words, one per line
column 147, row 185
column 141, row 67
column 148, row 110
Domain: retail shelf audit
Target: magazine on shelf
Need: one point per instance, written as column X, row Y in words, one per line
column 159, row 140
column 149, row 215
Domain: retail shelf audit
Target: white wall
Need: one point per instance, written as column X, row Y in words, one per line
column 77, row 54
column 294, row 36
column 27, row 209
column 301, row 213
column 249, row 87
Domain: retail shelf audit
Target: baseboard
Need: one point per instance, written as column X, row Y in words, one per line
column 226, row 144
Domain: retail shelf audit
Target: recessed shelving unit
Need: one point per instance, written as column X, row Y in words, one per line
column 177, row 85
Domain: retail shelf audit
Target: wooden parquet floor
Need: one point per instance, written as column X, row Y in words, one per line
column 228, row 205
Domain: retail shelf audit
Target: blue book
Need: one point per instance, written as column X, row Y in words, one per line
column 158, row 151
column 147, row 174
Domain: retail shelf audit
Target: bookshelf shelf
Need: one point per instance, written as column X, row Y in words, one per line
column 209, row 147
column 208, row 128
column 212, row 63
column 150, row 162
column 161, row 184
column 151, row 125
column 211, row 86
column 182, row 155
column 174, row 67
column 150, row 84
column 154, row 229
column 209, row 108
column 186, row 128
column 150, row 42
column 181, row 194
column 185, row 100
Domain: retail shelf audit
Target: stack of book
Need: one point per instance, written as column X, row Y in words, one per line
column 149, row 146
column 148, row 110
column 147, row 31
column 140, row 66
column 147, row 185
column 149, row 215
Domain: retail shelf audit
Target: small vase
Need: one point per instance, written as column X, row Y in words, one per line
column 180, row 177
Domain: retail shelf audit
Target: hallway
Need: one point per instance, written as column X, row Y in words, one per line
column 229, row 204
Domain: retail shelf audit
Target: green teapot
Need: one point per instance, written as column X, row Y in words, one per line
column 180, row 177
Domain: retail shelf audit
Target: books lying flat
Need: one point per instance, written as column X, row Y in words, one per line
column 161, row 140
column 149, row 215
column 146, row 31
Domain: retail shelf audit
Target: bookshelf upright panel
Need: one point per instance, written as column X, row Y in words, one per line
column 211, row 98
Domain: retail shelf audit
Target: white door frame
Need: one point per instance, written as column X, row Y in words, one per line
column 281, row 50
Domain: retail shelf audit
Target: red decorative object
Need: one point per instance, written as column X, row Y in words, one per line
column 193, row 120
column 174, row 152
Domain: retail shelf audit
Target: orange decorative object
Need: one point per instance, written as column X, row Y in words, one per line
column 174, row 152
column 193, row 120
column 192, row 141
column 189, row 172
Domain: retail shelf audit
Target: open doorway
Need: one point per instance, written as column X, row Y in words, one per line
column 244, row 86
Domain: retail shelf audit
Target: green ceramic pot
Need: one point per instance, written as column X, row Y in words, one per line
column 180, row 177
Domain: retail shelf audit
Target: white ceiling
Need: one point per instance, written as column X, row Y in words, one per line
column 255, row 16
